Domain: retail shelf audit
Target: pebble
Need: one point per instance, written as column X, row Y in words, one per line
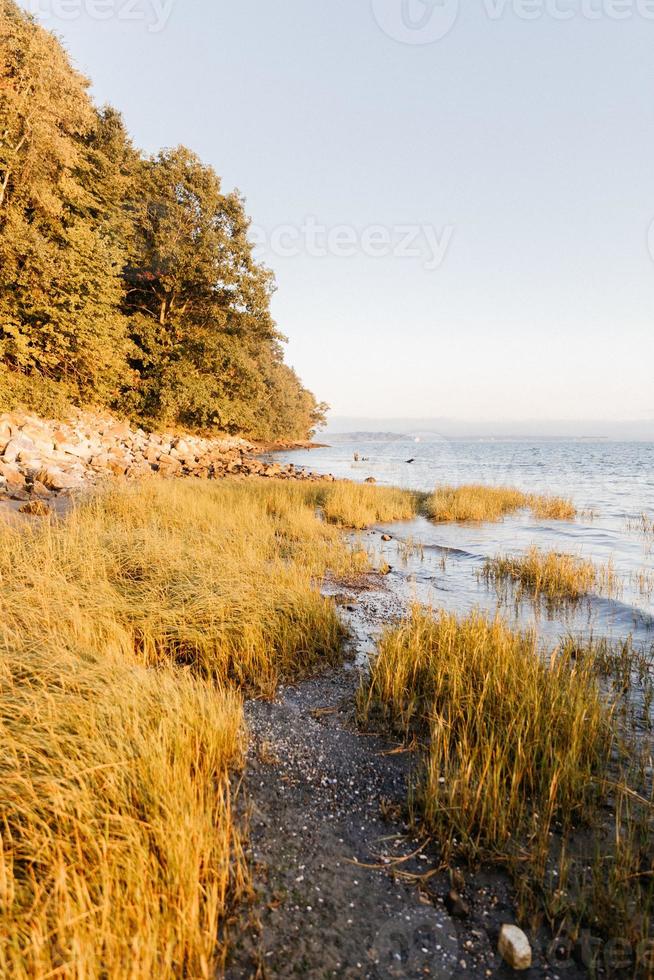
column 514, row 947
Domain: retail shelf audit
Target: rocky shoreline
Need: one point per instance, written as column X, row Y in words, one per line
column 42, row 459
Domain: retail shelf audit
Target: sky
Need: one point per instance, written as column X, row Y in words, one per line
column 456, row 200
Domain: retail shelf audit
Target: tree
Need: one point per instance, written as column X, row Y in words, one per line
column 61, row 247
column 208, row 351
column 126, row 281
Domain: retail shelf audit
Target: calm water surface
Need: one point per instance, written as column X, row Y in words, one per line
column 614, row 481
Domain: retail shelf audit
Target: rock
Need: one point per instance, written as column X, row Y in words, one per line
column 386, row 537
column 168, row 465
column 182, row 448
column 456, row 906
column 38, row 432
column 371, row 479
column 12, row 477
column 81, row 451
column 40, row 490
column 116, row 431
column 514, row 947
column 16, row 446
column 56, row 479
column 47, row 457
column 5, row 433
column 35, row 508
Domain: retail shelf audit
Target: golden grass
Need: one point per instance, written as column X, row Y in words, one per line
column 513, row 740
column 643, row 581
column 118, row 851
column 125, row 631
column 548, row 508
column 476, row 502
column 524, row 763
column 473, row 502
column 554, row 576
column 357, row 505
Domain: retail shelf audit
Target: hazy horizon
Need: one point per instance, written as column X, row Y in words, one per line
column 640, row 430
column 456, row 204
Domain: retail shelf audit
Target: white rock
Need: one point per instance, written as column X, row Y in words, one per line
column 514, row 947
column 14, row 448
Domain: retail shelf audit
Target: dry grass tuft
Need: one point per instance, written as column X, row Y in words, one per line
column 643, row 524
column 357, row 505
column 547, row 508
column 554, row 576
column 125, row 631
column 475, row 502
column 513, row 740
column 524, row 763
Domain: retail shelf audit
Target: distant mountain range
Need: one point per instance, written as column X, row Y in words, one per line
column 392, row 429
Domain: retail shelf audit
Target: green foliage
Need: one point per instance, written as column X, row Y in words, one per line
column 127, row 281
column 46, row 398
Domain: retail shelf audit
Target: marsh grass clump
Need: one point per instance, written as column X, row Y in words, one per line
column 127, row 633
column 473, row 502
column 410, row 548
column 358, row 505
column 476, row 502
column 643, row 524
column 553, row 576
column 643, row 581
column 523, row 764
column 547, row 508
column 513, row 740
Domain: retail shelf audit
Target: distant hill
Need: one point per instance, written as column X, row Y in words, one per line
column 385, row 428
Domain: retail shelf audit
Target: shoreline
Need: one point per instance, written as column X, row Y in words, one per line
column 337, row 853
column 280, row 446
column 43, row 462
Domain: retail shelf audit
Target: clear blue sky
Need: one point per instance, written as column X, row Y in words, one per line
column 525, row 146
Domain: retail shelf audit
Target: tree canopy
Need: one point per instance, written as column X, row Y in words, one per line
column 127, row 281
